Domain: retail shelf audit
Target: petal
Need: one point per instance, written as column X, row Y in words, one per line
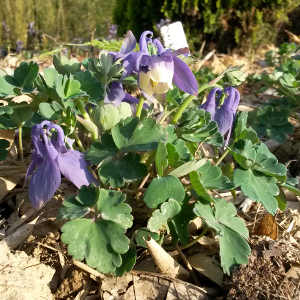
column 210, row 104
column 161, row 68
column 143, row 41
column 130, row 99
column 224, row 118
column 159, row 46
column 161, row 88
column 57, row 142
column 44, row 183
column 74, row 167
column 148, row 97
column 131, row 64
column 143, row 80
column 35, row 163
column 184, row 77
column 116, row 94
column 129, row 43
column 36, row 131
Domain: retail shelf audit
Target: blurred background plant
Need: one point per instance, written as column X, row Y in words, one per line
column 224, row 24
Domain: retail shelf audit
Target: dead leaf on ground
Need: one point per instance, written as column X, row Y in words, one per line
column 19, row 236
column 145, row 287
column 7, row 183
column 8, row 134
column 268, row 227
column 207, row 266
column 179, row 291
column 22, row 98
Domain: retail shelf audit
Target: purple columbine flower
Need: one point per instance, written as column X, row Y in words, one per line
column 117, row 95
column 51, row 158
column 225, row 114
column 127, row 47
column 160, row 68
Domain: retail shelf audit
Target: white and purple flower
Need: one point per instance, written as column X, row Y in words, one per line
column 157, row 69
column 51, row 158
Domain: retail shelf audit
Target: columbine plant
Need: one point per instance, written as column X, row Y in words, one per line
column 136, row 162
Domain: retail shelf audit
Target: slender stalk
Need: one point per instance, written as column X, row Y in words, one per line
column 78, row 141
column 188, row 100
column 140, row 107
column 145, row 156
column 81, row 107
column 289, row 95
column 150, row 159
column 190, row 243
column 188, row 265
column 21, row 145
column 222, row 157
column 167, row 113
column 86, row 116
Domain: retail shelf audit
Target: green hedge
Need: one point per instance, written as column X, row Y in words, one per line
column 228, row 23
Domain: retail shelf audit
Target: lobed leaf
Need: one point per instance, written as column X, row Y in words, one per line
column 117, row 172
column 163, row 188
column 135, row 135
column 101, row 150
column 160, row 217
column 230, row 229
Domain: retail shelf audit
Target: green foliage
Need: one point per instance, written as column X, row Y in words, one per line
column 245, row 23
column 195, row 126
column 117, row 172
column 107, row 116
column 259, row 168
column 105, row 236
column 273, row 122
column 135, row 135
column 161, row 216
column 90, row 85
column 62, row 19
column 231, row 231
column 178, row 225
column 163, row 188
column 128, row 260
column 142, row 234
column 4, row 145
column 66, row 66
column 100, row 151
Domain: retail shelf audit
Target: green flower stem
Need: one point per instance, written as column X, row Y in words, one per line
column 222, row 157
column 139, row 107
column 166, row 114
column 82, row 109
column 78, row 141
column 190, row 243
column 86, row 116
column 21, row 145
column 188, row 100
column 289, row 95
column 150, row 159
column 146, row 156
